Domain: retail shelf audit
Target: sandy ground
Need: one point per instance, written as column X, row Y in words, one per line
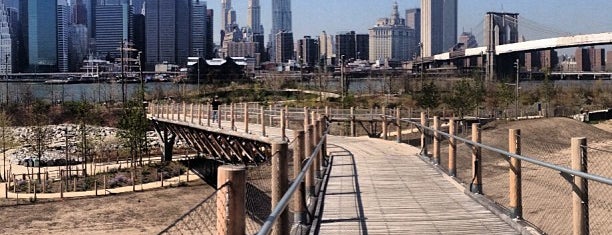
column 606, row 126
column 146, row 212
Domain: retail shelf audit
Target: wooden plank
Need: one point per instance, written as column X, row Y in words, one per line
column 381, row 187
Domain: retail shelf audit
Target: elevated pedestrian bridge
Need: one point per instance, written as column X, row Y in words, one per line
column 446, row 182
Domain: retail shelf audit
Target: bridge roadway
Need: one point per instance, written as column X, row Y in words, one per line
column 383, row 187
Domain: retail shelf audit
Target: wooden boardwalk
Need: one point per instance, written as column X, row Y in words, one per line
column 381, row 187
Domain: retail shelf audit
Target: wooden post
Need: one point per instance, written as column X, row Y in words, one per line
column 219, row 115
column 279, row 184
column 231, row 210
column 286, row 114
column 246, row 118
column 233, row 116
column 191, row 112
column 384, row 123
column 200, row 106
column 436, row 140
column 270, row 116
column 299, row 197
column 327, row 111
column 133, row 179
column 282, row 124
column 423, row 138
column 209, row 114
column 315, row 141
column 516, row 195
column 476, row 185
column 61, row 183
column 398, row 120
column 184, row 112
column 452, row 148
column 310, row 185
column 580, row 193
column 306, row 117
column 352, row 117
column 104, row 183
column 263, row 120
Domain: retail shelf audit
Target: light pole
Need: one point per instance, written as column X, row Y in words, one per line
column 516, row 94
column 198, row 78
column 6, row 76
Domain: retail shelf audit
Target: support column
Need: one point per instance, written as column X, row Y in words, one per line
column 580, row 193
column 516, row 195
column 476, row 185
column 352, row 117
column 231, row 211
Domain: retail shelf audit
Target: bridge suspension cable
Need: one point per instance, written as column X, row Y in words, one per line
column 535, row 28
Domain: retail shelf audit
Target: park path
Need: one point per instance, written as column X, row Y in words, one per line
column 382, row 187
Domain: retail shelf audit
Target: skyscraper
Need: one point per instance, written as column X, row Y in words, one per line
column 254, row 17
column 40, row 34
column 391, row 39
column 326, row 48
column 114, row 25
column 345, row 45
column 284, row 47
column 226, row 7
column 63, row 35
column 167, row 30
column 198, row 28
column 79, row 13
column 5, row 42
column 307, row 51
column 438, row 26
column 281, row 21
column 413, row 20
column 210, row 45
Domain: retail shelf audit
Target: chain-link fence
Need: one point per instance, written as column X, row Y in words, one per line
column 546, row 192
column 201, row 219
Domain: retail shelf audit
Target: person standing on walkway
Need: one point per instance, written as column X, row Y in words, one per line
column 215, row 108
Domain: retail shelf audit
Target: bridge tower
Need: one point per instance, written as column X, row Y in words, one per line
column 500, row 28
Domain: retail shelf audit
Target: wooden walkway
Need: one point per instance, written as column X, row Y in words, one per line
column 382, row 187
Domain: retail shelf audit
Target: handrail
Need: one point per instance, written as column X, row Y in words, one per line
column 266, row 228
column 520, row 157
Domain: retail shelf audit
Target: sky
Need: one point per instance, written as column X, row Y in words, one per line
column 310, row 17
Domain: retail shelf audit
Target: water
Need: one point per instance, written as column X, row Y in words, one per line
column 93, row 92
column 106, row 92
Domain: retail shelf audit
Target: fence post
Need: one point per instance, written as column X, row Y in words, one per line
column 184, row 112
column 306, row 117
column 191, row 113
column 384, row 123
column 580, row 194
column 231, row 181
column 233, row 116
column 476, row 185
column 299, row 198
column 282, row 124
column 219, row 116
column 209, row 114
column 436, row 140
column 452, row 148
column 263, row 120
column 352, row 117
column 516, row 194
column 423, row 140
column 279, row 184
column 316, row 138
column 200, row 106
column 399, row 124
column 246, row 117
column 307, row 153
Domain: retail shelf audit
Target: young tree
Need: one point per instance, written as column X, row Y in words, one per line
column 429, row 97
column 5, row 123
column 133, row 126
column 505, row 95
column 547, row 92
column 464, row 97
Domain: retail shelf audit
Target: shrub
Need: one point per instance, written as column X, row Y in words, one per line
column 119, row 180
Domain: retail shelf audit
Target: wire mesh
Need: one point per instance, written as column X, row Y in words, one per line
column 258, row 198
column 201, row 219
column 495, row 166
column 547, row 199
column 599, row 159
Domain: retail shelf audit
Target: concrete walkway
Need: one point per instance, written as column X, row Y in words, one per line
column 382, row 187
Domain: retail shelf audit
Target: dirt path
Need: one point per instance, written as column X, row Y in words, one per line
column 146, row 212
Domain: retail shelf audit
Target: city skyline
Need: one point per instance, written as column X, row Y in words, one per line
column 567, row 17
